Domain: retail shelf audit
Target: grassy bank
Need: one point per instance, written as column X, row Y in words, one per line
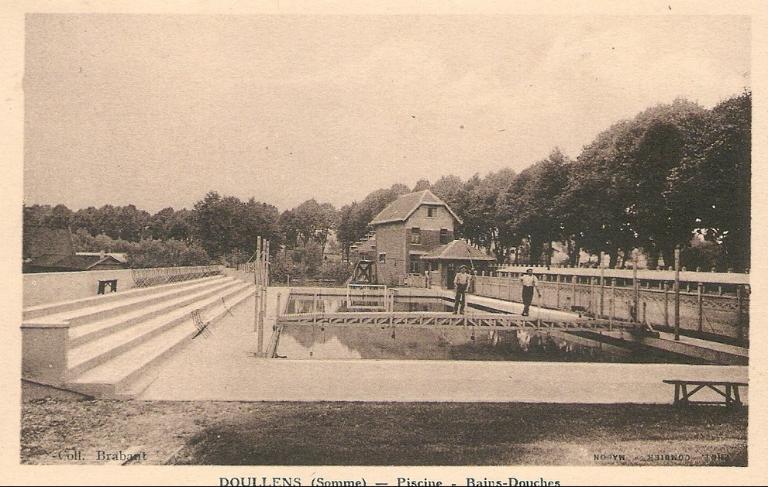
column 231, row 433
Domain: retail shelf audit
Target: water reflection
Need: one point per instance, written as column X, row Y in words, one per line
column 366, row 342
column 305, row 341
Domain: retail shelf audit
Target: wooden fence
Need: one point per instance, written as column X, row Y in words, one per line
column 706, row 306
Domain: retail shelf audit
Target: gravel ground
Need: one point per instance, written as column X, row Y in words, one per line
column 351, row 433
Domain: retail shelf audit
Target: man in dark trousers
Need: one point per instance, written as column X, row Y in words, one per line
column 529, row 284
column 461, row 281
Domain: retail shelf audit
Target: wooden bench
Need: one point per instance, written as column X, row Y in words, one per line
column 730, row 391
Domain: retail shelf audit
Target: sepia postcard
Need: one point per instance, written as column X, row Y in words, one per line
column 383, row 243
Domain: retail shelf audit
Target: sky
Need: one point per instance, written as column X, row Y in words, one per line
column 157, row 110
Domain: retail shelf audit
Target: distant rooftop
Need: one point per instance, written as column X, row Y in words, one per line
column 457, row 250
column 121, row 257
column 403, row 207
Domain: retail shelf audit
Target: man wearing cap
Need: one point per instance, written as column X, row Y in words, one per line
column 461, row 281
column 529, row 284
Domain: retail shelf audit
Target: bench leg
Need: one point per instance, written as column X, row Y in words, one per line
column 677, row 395
column 736, row 398
column 684, row 399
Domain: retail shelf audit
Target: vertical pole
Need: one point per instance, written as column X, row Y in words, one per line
column 740, row 304
column 677, row 293
column 700, row 303
column 666, row 303
column 592, row 294
column 264, row 281
column 266, row 265
column 636, row 289
column 277, row 312
column 256, row 290
column 259, row 317
column 602, row 287
column 612, row 304
column 557, row 292
column 574, row 278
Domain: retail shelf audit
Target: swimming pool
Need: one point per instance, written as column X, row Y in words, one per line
column 326, row 342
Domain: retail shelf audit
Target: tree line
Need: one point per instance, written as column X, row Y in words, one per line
column 674, row 175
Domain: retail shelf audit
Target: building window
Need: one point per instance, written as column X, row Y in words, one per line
column 415, row 265
column 415, row 235
column 431, row 211
column 382, row 257
column 443, row 236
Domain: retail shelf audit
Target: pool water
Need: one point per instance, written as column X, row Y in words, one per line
column 318, row 342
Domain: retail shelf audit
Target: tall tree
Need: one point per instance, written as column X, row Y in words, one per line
column 528, row 208
column 480, row 211
column 712, row 185
column 421, row 185
column 227, row 227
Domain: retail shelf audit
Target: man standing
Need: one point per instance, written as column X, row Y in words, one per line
column 461, row 281
column 529, row 284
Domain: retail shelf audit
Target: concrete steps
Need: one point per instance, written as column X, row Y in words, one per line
column 99, row 350
column 75, row 304
column 110, row 341
column 135, row 353
column 84, row 333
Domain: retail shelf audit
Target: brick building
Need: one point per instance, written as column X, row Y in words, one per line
column 412, row 228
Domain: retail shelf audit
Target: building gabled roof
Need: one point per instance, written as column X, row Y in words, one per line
column 121, row 257
column 457, row 250
column 72, row 262
column 403, row 207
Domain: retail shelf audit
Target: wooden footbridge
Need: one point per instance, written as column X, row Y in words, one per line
column 442, row 319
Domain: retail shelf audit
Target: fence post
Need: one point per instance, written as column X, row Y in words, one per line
column 602, row 288
column 635, row 289
column 740, row 303
column 574, row 278
column 557, row 292
column 677, row 293
column 277, row 312
column 700, row 303
column 256, row 290
column 612, row 311
column 666, row 303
